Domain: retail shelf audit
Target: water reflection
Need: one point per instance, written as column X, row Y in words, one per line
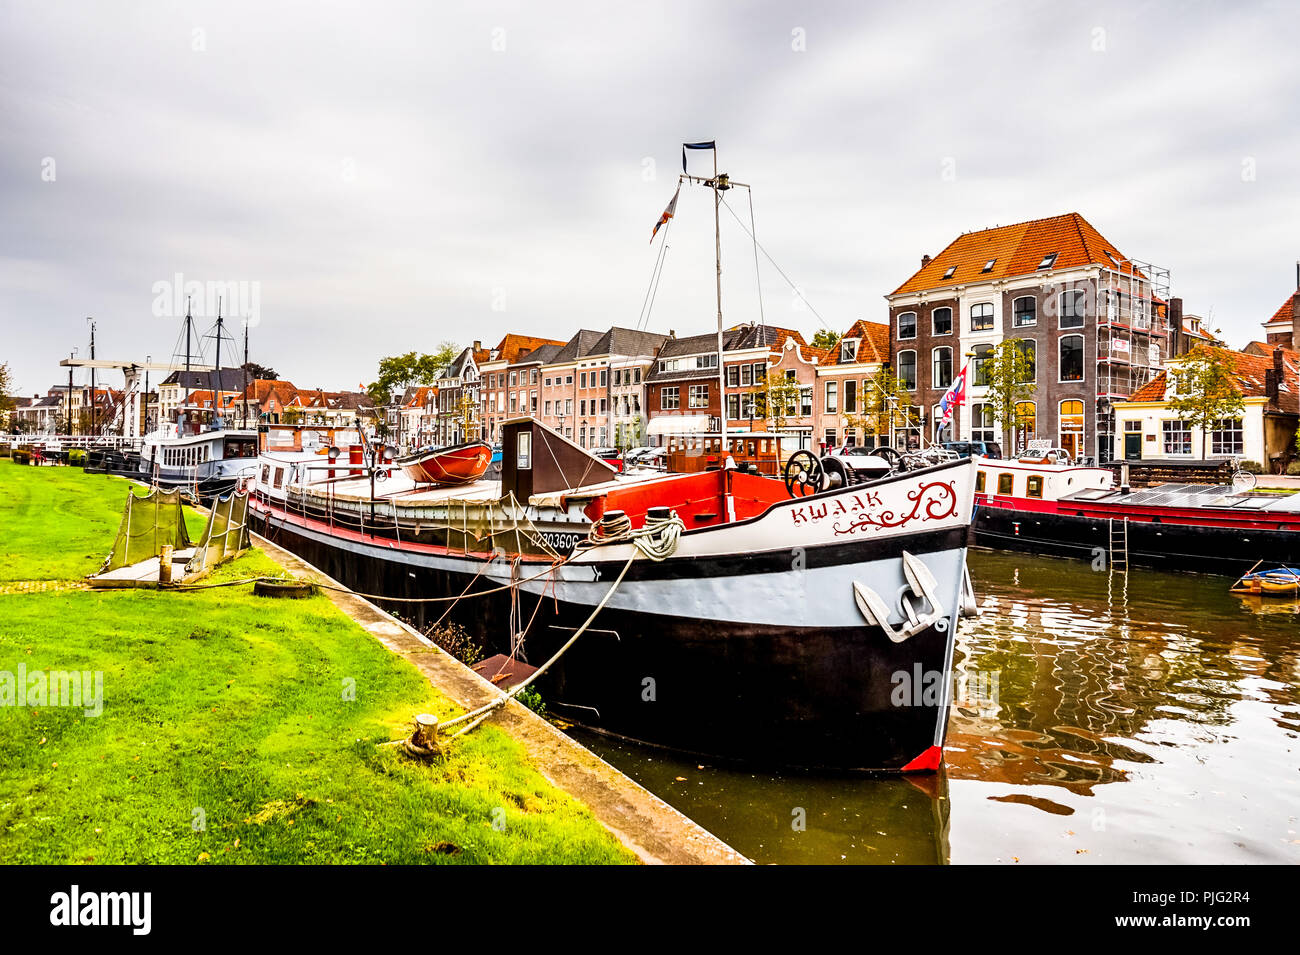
column 1098, row 718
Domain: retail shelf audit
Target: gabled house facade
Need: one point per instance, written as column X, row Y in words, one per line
column 1268, row 379
column 1094, row 324
column 843, row 381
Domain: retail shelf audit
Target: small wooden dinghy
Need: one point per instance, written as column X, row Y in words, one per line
column 458, row 464
column 1279, row 582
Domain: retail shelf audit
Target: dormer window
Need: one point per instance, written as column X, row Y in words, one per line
column 849, row 350
column 951, row 270
column 1048, row 261
column 988, row 266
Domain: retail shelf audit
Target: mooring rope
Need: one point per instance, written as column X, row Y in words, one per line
column 475, row 717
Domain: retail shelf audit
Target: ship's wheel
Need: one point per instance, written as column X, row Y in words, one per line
column 804, row 474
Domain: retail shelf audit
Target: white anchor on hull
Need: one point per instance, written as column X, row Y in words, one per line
column 921, row 583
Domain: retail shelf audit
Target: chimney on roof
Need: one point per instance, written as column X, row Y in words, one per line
column 1295, row 321
column 478, row 345
column 1177, row 337
column 925, row 260
column 672, row 333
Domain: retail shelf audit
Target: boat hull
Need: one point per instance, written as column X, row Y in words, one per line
column 452, row 466
column 1228, row 551
column 732, row 648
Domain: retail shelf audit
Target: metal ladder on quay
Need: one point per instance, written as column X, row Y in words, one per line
column 1118, row 552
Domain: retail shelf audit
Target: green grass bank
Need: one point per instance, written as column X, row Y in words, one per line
column 234, row 729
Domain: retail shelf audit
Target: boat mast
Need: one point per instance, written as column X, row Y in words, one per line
column 94, row 416
column 717, row 249
column 216, row 391
column 184, row 404
column 243, row 413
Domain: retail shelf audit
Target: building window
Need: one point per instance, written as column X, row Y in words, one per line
column 1026, row 430
column 582, row 408
column 942, row 370
column 1034, row 486
column 850, row 397
column 1178, row 436
column 981, row 419
column 832, row 397
column 548, row 409
column 1048, row 261
column 941, row 321
column 1072, row 358
column 568, row 406
column 760, row 372
column 983, row 354
column 806, row 401
column 988, row 266
column 733, row 376
column 949, row 273
column 699, row 396
column 582, row 380
column 604, row 378
column 849, row 350
column 746, row 375
column 1071, row 434
column 1226, row 437
column 1024, row 311
column 1006, row 483
column 1029, row 351
column 1071, row 306
column 907, row 325
column 981, row 317
column 670, row 399
column 733, row 407
column 830, row 437
column 907, row 370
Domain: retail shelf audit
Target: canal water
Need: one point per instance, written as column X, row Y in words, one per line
column 1099, row 719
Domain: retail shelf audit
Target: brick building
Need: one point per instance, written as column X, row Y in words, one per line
column 1093, row 321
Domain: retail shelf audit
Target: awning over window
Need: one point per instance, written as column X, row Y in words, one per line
column 678, row 424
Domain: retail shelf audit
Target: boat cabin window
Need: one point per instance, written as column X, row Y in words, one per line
column 524, row 451
column 1034, row 485
column 266, row 474
column 279, row 477
column 1005, row 483
column 979, row 481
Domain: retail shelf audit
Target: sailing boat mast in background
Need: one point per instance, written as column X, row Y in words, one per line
column 189, row 324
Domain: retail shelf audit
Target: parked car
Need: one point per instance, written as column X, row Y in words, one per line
column 974, row 449
column 633, row 455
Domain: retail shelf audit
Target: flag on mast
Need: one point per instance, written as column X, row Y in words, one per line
column 954, row 396
column 711, row 144
column 668, row 214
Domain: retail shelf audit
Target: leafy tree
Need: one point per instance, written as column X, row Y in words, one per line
column 825, row 338
column 6, row 385
column 1009, row 371
column 778, row 400
column 399, row 372
column 254, row 370
column 1206, row 389
column 886, row 404
column 465, row 414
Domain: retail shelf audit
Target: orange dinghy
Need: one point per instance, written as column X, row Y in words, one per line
column 458, row 464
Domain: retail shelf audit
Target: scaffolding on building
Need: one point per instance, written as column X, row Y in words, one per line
column 1132, row 337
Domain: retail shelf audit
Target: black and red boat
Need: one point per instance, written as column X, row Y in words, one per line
column 1067, row 511
column 736, row 621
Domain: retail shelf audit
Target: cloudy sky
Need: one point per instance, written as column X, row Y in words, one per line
column 383, row 177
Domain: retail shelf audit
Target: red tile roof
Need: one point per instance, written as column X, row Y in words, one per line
column 513, row 347
column 1017, row 250
column 1249, row 374
column 1284, row 313
column 874, row 341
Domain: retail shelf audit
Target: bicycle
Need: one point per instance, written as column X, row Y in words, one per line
column 1242, row 481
